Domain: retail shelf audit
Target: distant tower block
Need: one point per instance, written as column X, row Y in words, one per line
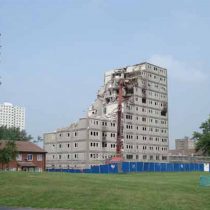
column 12, row 116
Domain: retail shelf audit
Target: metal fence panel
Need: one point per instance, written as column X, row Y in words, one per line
column 95, row 169
column 157, row 167
column 87, row 171
column 113, row 168
column 104, row 169
column 187, row 167
column 196, row 167
column 133, row 167
column 152, row 167
column 125, row 167
column 139, row 166
column 146, row 166
column 163, row 167
column 170, row 167
column 201, row 167
column 176, row 167
column 192, row 167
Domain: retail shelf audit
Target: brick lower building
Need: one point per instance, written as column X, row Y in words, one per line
column 30, row 157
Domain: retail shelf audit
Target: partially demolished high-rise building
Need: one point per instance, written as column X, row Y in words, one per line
column 143, row 124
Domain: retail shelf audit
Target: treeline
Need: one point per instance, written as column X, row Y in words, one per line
column 14, row 134
column 203, row 138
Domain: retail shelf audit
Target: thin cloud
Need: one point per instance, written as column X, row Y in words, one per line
column 179, row 71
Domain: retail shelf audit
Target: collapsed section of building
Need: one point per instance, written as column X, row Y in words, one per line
column 129, row 118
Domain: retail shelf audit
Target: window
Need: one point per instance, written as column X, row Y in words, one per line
column 164, row 157
column 129, row 157
column 129, row 117
column 112, row 124
column 144, row 157
column 39, row 157
column 29, row 157
column 104, row 144
column 104, row 123
column 104, row 134
column 76, row 156
column 93, row 155
column 163, row 113
column 112, row 134
column 19, row 157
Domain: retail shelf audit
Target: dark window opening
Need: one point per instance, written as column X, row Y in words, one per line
column 129, row 90
column 129, row 157
column 107, row 100
column 104, row 144
column 163, row 112
column 144, row 100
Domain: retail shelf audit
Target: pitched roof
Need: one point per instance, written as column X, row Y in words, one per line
column 24, row 146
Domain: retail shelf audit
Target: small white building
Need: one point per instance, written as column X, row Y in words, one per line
column 92, row 140
column 12, row 116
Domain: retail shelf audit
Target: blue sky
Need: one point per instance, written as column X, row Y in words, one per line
column 54, row 55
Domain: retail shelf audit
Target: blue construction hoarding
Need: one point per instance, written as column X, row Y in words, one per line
column 132, row 167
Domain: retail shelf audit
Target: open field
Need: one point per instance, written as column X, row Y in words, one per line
column 163, row 191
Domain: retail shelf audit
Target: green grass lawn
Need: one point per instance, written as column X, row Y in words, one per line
column 90, row 191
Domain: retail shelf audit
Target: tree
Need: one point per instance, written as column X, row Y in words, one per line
column 8, row 153
column 203, row 138
column 14, row 134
